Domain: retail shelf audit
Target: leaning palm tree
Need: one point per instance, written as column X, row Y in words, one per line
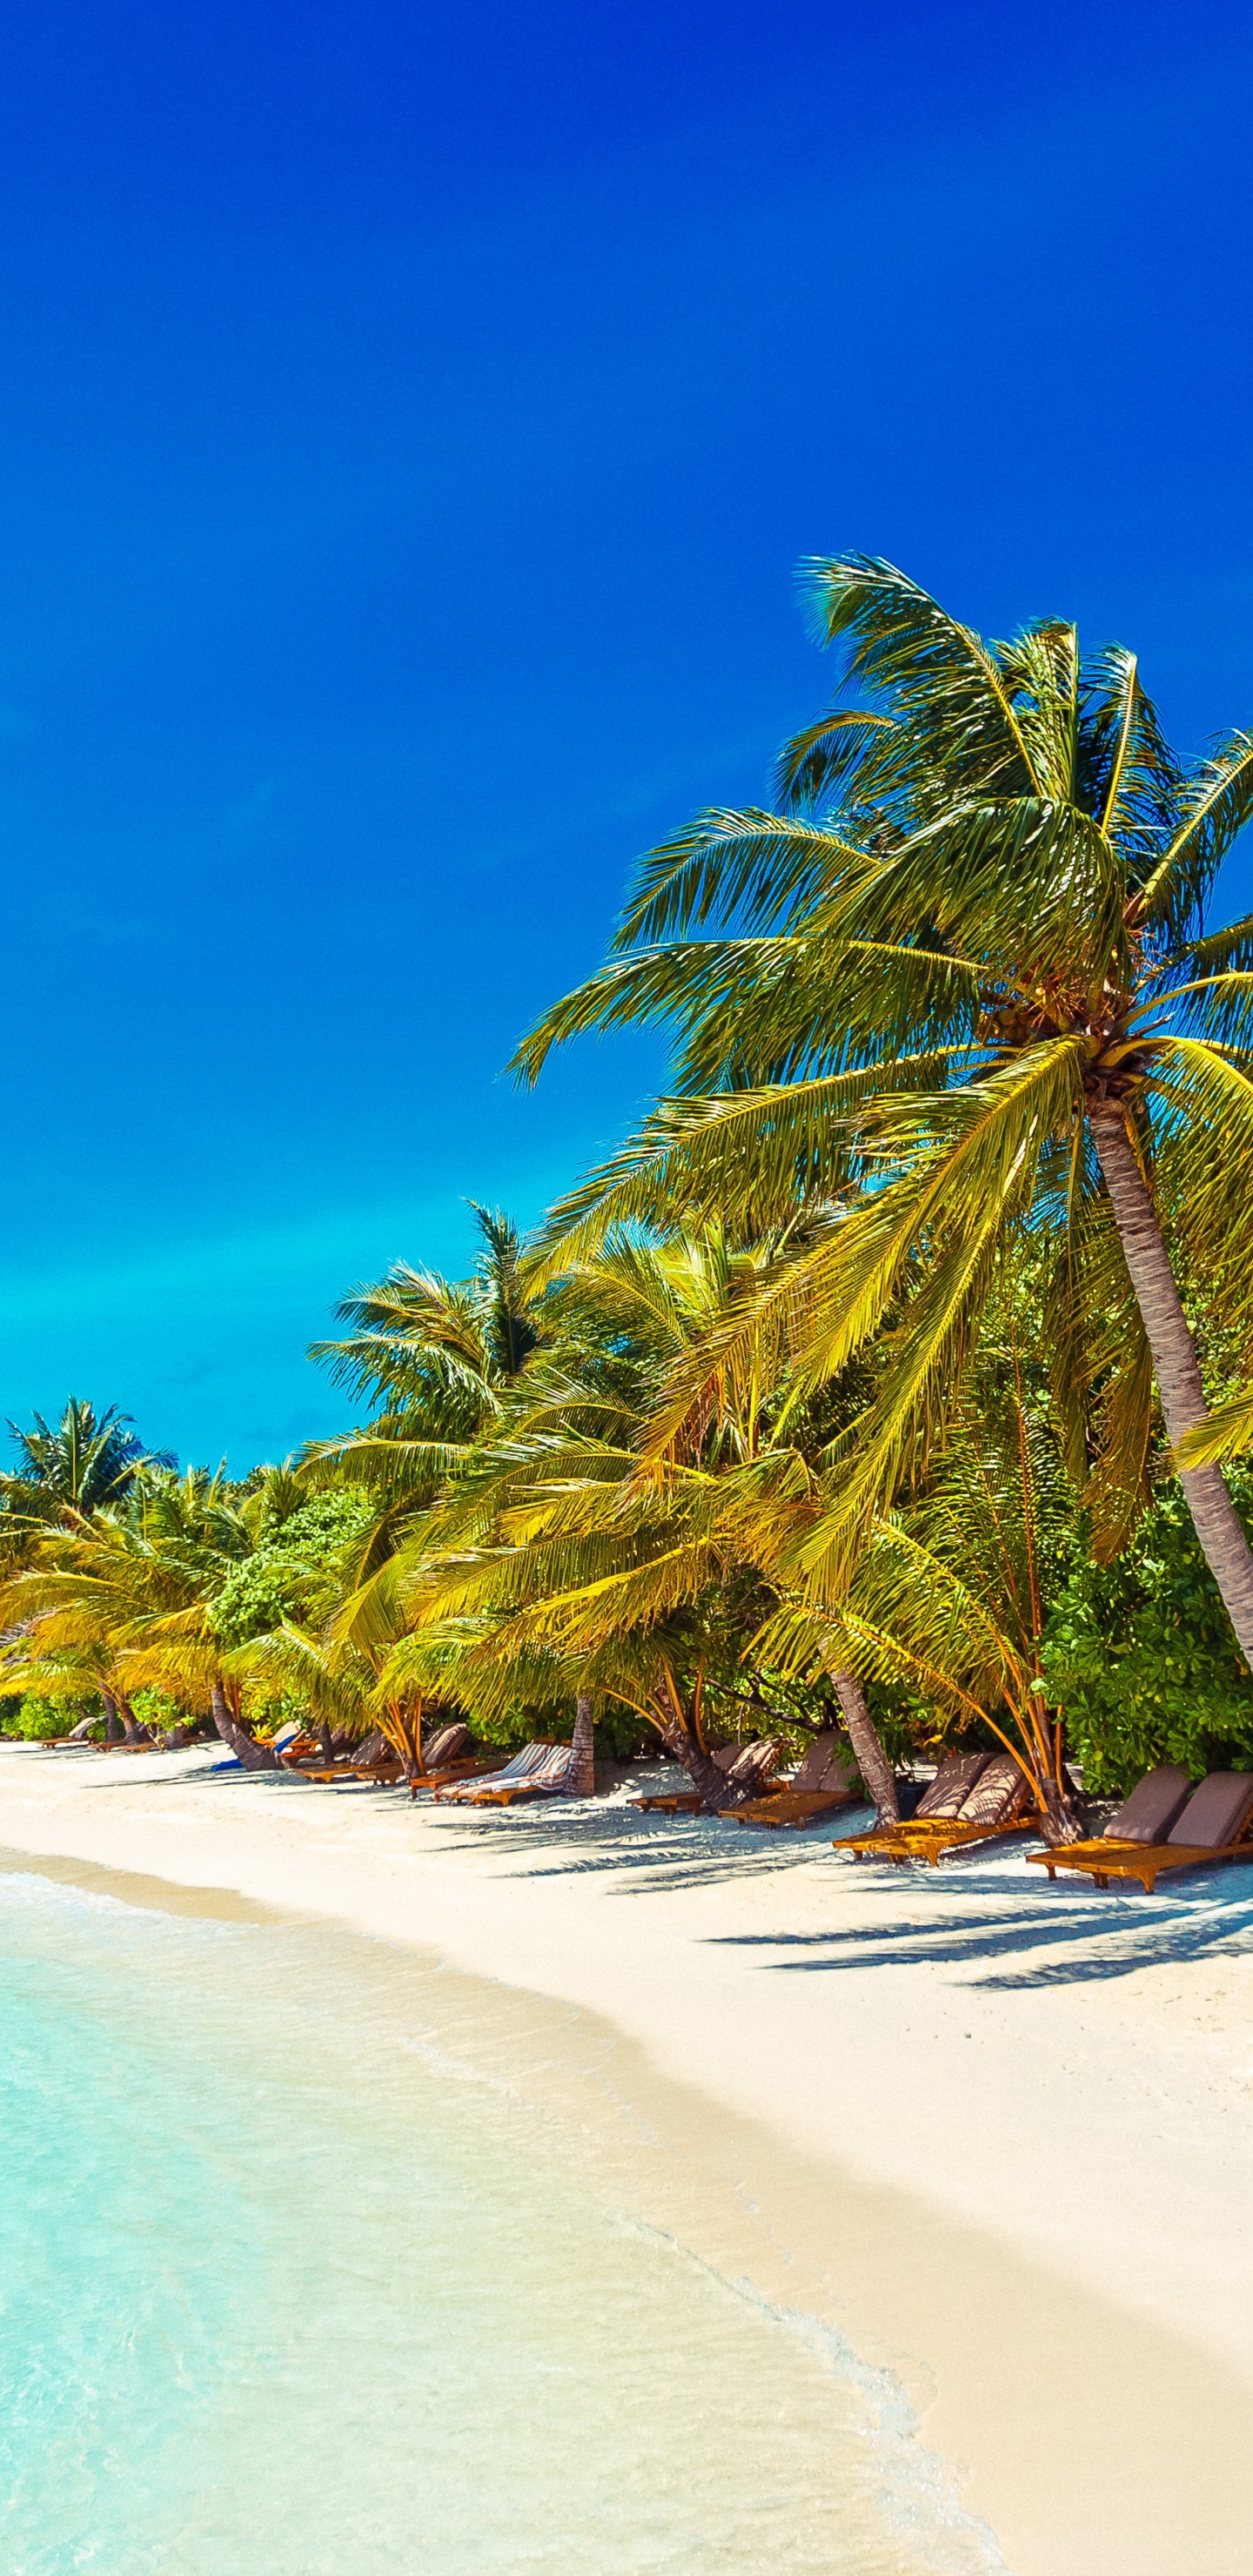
column 966, row 974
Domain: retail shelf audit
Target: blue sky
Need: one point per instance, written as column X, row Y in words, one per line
column 410, row 423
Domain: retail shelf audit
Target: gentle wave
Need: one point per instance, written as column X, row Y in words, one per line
column 287, row 2283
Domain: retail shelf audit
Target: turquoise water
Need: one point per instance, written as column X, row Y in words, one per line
column 287, row 2288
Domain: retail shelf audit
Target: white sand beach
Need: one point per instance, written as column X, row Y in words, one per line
column 996, row 2133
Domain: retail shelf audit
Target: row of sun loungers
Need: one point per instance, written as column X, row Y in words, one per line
column 449, row 1770
column 1167, row 1823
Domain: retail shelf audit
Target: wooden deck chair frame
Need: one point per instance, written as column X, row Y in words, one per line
column 1143, row 1862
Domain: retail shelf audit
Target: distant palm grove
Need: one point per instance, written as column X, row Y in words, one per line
column 895, row 1375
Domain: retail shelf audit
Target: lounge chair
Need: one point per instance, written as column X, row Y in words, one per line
column 990, row 1800
column 448, row 1757
column 1214, row 1824
column 540, row 1770
column 323, row 1775
column 943, row 1798
column 821, row 1784
column 300, row 1749
column 746, row 1764
column 680, row 1802
column 445, row 1758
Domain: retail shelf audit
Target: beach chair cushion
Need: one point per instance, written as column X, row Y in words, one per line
column 828, row 1764
column 445, row 1747
column 1215, row 1812
column 998, row 1793
column 952, row 1785
column 752, row 1762
column 1150, row 1811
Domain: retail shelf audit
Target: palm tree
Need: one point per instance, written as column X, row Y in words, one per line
column 952, row 1591
column 433, row 1359
column 964, row 971
column 558, row 1566
column 66, row 1473
column 129, row 1596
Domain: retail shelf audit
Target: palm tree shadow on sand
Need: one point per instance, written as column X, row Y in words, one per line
column 1081, row 1941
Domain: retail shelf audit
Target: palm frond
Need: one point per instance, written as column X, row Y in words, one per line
column 1227, row 1434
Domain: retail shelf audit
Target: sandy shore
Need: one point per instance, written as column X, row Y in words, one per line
column 997, row 2134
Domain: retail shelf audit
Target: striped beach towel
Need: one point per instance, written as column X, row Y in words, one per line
column 544, row 1768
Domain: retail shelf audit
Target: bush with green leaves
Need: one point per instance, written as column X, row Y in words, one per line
column 157, row 1708
column 292, row 1565
column 38, row 1719
column 1141, row 1657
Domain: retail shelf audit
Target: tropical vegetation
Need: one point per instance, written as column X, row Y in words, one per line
column 885, row 1377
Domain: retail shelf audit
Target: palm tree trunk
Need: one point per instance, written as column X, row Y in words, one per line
column 581, row 1778
column 1175, row 1366
column 704, row 1773
column 251, row 1756
column 112, row 1730
column 863, row 1735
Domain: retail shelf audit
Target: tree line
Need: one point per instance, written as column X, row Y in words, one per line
column 889, row 1375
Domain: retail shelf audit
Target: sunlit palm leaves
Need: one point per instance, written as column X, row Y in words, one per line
column 981, row 909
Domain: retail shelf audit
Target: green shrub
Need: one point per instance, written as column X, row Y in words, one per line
column 159, row 1708
column 40, row 1719
column 1141, row 1657
column 290, row 1567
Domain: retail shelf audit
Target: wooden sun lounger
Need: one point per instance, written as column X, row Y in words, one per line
column 818, row 1788
column 543, row 1786
column 688, row 1802
column 472, row 1768
column 996, row 1782
column 929, row 1843
column 1101, row 1860
column 535, row 1772
column 505, row 1797
column 1214, row 1823
column 792, row 1806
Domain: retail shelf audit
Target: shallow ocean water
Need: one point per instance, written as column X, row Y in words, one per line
column 291, row 2287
